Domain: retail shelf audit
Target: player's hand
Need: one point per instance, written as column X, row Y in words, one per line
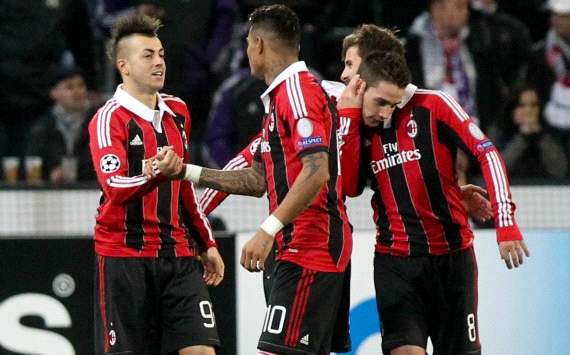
column 170, row 164
column 256, row 250
column 150, row 165
column 352, row 95
column 213, row 266
column 512, row 252
column 474, row 201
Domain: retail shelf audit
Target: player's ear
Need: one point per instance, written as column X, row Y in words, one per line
column 259, row 44
column 122, row 66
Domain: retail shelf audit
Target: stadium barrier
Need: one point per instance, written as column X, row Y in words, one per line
column 69, row 212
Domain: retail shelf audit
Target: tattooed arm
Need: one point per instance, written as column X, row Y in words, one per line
column 309, row 183
column 248, row 181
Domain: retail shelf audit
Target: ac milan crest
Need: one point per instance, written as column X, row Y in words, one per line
column 271, row 122
column 412, row 127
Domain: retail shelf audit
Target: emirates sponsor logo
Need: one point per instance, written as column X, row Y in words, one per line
column 395, row 159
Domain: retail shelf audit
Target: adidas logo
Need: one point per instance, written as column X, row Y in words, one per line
column 305, row 340
column 136, row 141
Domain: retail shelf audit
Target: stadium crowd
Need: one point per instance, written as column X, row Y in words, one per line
column 506, row 62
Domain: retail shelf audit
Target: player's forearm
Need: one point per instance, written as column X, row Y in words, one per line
column 123, row 190
column 242, row 182
column 307, row 186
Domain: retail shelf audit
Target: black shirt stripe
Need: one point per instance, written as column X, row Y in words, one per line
column 163, row 208
column 385, row 237
column 336, row 240
column 134, row 210
column 438, row 201
column 279, row 167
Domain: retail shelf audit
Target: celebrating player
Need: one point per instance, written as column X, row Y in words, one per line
column 151, row 297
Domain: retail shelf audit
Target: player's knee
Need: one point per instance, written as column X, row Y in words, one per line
column 408, row 350
column 197, row 350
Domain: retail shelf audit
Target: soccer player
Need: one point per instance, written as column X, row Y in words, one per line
column 151, row 295
column 297, row 163
column 425, row 271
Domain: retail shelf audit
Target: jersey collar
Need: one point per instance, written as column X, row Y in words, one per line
column 409, row 91
column 285, row 74
column 138, row 108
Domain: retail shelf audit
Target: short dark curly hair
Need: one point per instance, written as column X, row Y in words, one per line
column 129, row 25
column 384, row 66
column 280, row 20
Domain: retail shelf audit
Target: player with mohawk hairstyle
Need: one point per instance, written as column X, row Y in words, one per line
column 151, row 296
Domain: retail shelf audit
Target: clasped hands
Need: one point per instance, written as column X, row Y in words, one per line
column 167, row 162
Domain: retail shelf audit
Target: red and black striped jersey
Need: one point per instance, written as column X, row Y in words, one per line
column 348, row 139
column 411, row 159
column 300, row 120
column 137, row 216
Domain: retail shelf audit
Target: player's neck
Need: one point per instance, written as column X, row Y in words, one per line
column 146, row 97
column 277, row 64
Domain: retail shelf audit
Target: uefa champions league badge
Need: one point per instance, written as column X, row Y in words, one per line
column 304, row 127
column 476, row 131
column 109, row 163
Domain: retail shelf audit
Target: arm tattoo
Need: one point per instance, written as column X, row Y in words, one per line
column 249, row 181
column 313, row 162
column 259, row 168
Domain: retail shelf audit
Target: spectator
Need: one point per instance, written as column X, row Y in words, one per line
column 529, row 148
column 510, row 39
column 36, row 37
column 550, row 71
column 234, row 119
column 60, row 137
column 447, row 52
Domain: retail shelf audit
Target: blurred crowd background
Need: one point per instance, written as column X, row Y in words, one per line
column 506, row 62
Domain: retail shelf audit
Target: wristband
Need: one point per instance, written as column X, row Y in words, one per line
column 271, row 225
column 192, row 173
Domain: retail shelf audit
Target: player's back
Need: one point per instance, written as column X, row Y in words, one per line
column 300, row 122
